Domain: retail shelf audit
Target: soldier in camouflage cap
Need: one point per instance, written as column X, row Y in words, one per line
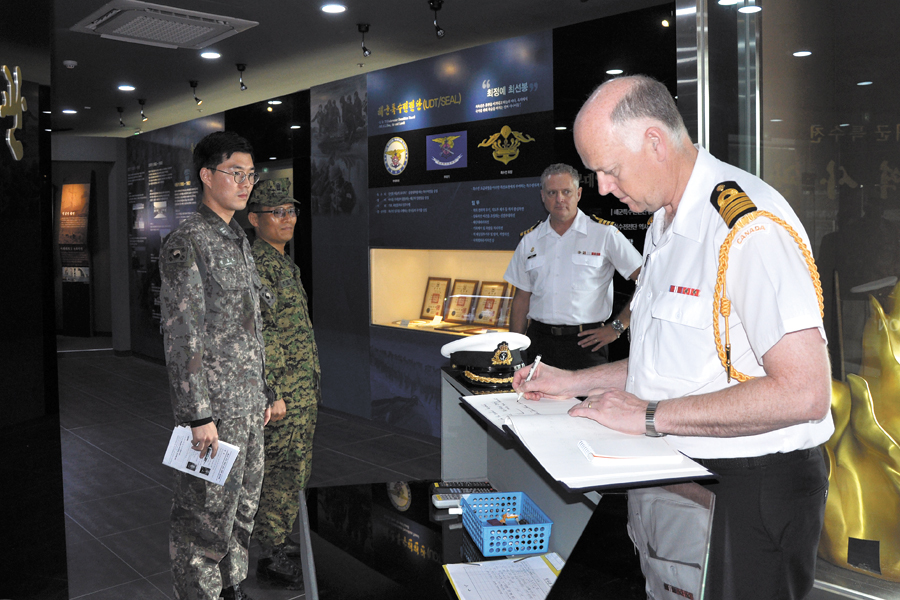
column 292, row 371
column 212, row 331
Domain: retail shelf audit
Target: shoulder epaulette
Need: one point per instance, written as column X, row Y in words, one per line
column 650, row 221
column 530, row 229
column 603, row 221
column 731, row 201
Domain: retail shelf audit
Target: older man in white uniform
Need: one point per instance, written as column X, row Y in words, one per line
column 759, row 435
column 563, row 270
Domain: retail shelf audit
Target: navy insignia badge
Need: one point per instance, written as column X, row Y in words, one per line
column 506, row 149
column 731, row 202
column 396, row 155
column 502, row 356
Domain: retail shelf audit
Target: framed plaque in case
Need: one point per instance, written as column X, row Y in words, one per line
column 459, row 304
column 435, row 294
column 487, row 308
column 506, row 307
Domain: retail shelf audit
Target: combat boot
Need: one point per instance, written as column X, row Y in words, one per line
column 234, row 592
column 279, row 570
column 292, row 548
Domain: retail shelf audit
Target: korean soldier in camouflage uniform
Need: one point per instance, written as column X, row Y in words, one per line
column 292, row 371
column 214, row 356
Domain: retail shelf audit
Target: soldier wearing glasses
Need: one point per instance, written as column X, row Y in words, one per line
column 213, row 337
column 292, row 371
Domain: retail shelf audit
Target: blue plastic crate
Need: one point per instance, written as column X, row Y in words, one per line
column 506, row 540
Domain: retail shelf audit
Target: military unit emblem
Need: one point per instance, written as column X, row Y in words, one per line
column 506, row 144
column 396, row 155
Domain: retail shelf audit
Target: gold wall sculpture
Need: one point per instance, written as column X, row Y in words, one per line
column 862, row 514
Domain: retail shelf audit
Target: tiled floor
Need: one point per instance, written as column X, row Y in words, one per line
column 115, row 420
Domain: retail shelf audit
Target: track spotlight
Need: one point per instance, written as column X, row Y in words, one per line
column 363, row 28
column 240, row 68
column 435, row 5
column 121, row 110
column 194, row 89
column 144, row 117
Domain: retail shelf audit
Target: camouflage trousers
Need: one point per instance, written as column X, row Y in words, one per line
column 289, row 444
column 209, row 538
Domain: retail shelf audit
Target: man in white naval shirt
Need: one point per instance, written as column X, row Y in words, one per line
column 760, row 435
column 563, row 270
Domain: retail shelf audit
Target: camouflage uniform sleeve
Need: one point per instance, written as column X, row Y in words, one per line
column 183, row 305
column 275, row 363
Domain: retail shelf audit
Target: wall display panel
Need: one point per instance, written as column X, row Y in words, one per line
column 402, row 375
column 338, row 175
column 162, row 192
column 474, row 215
column 510, row 146
column 511, row 77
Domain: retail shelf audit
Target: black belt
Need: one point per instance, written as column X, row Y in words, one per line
column 748, row 462
column 562, row 329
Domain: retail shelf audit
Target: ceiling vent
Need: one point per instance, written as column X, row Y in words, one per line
column 157, row 25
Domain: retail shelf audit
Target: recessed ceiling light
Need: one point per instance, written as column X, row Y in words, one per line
column 844, row 125
column 561, row 128
column 275, row 102
column 665, row 22
column 747, row 10
column 69, row 111
column 802, row 53
column 614, row 72
column 776, row 120
column 295, row 127
column 126, row 87
column 728, row 2
column 210, row 54
column 273, row 158
column 333, row 8
column 864, row 83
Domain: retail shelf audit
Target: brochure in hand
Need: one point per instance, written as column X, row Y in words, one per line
column 181, row 456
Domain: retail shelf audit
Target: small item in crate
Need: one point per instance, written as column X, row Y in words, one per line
column 483, row 518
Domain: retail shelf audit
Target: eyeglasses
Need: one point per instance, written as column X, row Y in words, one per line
column 240, row 176
column 280, row 213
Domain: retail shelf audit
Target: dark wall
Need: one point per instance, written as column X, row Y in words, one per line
column 33, row 555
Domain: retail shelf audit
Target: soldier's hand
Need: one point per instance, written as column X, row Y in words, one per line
column 205, row 437
column 279, row 410
column 267, row 415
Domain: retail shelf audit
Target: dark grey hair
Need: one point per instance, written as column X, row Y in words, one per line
column 560, row 168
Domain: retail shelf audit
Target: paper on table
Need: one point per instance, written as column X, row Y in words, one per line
column 498, row 408
column 524, row 578
column 553, row 440
column 181, row 456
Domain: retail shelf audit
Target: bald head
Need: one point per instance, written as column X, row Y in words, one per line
column 630, row 133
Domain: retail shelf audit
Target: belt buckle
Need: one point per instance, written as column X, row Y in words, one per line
column 554, row 330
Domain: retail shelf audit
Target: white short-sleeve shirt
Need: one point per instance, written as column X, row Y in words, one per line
column 673, row 351
column 570, row 276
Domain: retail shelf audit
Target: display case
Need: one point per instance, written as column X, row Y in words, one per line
column 458, row 292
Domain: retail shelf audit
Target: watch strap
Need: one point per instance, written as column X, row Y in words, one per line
column 650, row 420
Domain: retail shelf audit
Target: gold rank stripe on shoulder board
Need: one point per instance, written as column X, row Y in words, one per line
column 604, row 221
column 530, row 229
column 731, row 201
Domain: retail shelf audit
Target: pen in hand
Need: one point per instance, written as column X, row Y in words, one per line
column 534, row 365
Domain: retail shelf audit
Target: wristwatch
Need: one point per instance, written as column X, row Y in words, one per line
column 618, row 327
column 650, row 420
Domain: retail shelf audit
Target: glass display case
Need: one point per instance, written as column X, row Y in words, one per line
column 459, row 292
